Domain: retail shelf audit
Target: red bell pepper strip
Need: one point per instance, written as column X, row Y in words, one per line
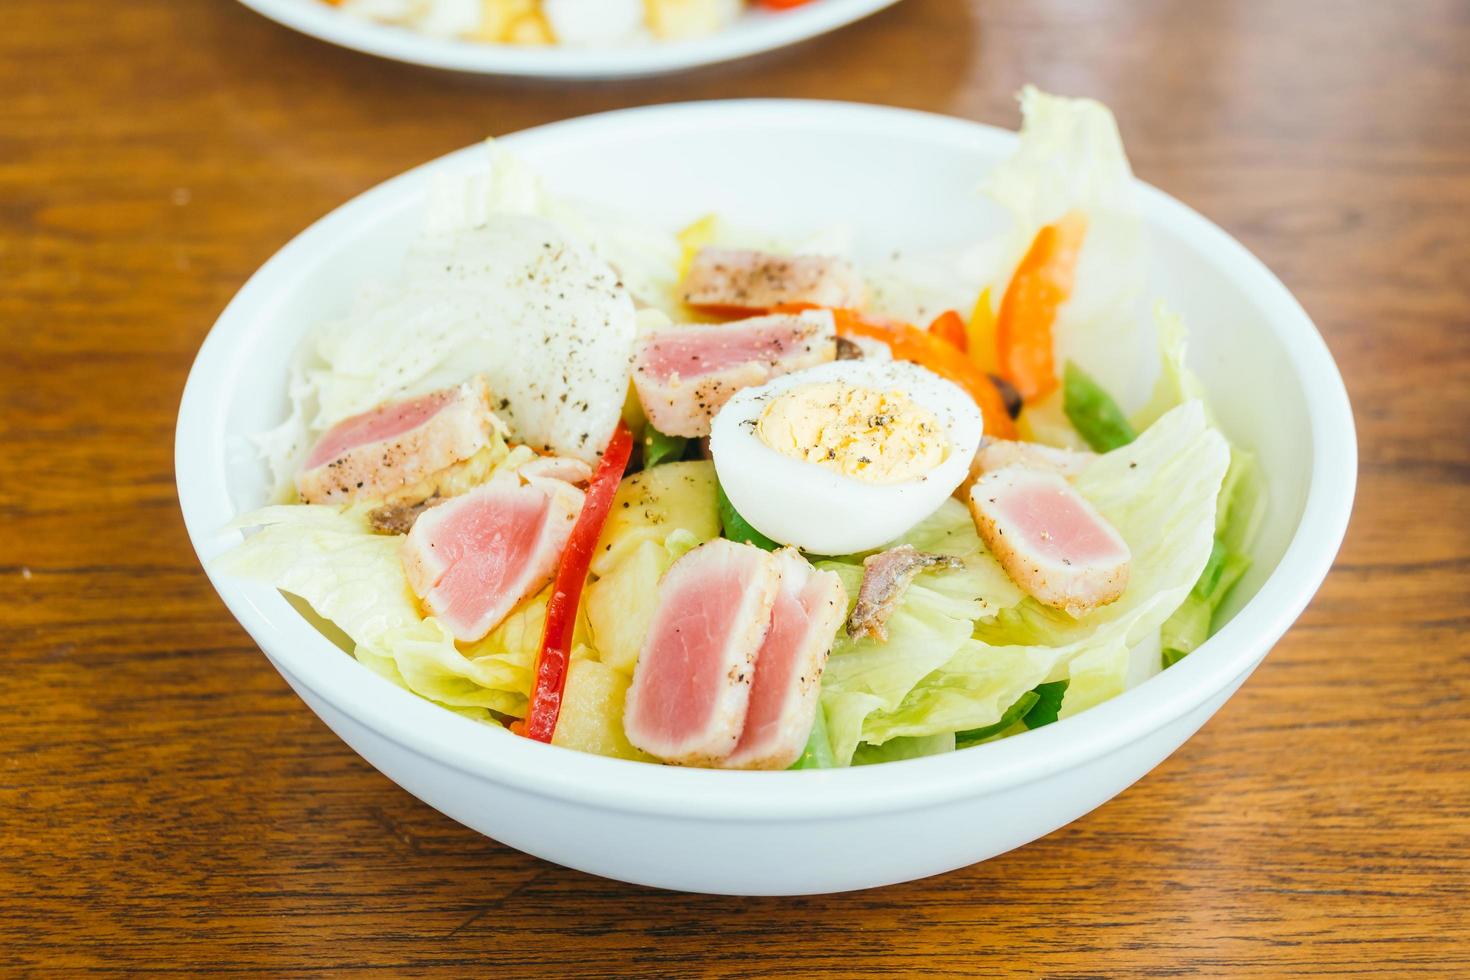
column 1042, row 282
column 950, row 326
column 782, row 4
column 566, row 591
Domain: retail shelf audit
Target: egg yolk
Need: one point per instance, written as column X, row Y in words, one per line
column 861, row 433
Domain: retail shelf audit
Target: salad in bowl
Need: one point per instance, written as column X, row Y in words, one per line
column 714, row 497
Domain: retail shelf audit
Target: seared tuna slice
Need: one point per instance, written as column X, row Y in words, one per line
column 788, row 671
column 474, row 558
column 691, row 686
column 685, row 374
column 398, row 444
column 1049, row 539
column 730, row 279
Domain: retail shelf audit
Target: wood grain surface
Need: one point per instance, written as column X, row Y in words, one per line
column 168, row 806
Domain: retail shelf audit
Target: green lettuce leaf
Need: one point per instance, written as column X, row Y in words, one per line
column 818, row 751
column 1176, row 384
column 1192, row 622
column 1242, row 502
column 865, row 679
column 1096, row 674
column 1159, row 492
column 1239, row 507
column 1237, row 514
column 661, row 448
column 1092, row 411
column 331, row 559
column 899, row 749
column 495, row 673
column 1012, row 716
column 865, row 676
column 1048, row 704
column 737, row 528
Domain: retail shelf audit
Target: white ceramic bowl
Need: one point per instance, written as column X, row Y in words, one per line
column 902, row 179
column 754, row 32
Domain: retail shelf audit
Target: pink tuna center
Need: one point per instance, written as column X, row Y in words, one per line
column 1060, row 527
column 693, row 352
column 779, row 658
column 377, row 425
column 692, row 647
column 487, row 550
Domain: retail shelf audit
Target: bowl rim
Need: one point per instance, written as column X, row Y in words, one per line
column 486, row 753
column 411, row 47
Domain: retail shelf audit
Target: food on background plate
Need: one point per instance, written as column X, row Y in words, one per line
column 575, row 23
column 709, row 497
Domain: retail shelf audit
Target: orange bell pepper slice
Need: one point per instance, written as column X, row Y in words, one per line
column 950, row 326
column 1028, row 311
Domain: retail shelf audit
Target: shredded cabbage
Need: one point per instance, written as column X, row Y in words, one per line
column 428, row 328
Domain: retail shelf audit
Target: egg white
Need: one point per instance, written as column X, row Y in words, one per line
column 815, row 509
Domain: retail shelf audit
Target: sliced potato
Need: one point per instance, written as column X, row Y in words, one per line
column 651, row 505
column 591, row 718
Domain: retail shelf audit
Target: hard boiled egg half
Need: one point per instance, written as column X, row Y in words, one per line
column 845, row 456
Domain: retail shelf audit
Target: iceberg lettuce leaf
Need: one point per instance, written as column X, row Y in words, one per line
column 1095, row 675
column 1070, row 158
column 1176, row 384
column 934, row 619
column 866, row 675
column 898, row 749
column 408, row 334
column 332, row 560
column 1160, row 493
column 352, row 577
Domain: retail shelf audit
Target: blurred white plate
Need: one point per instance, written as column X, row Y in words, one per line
column 754, row 32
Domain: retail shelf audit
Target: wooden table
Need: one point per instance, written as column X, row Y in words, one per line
column 166, row 803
